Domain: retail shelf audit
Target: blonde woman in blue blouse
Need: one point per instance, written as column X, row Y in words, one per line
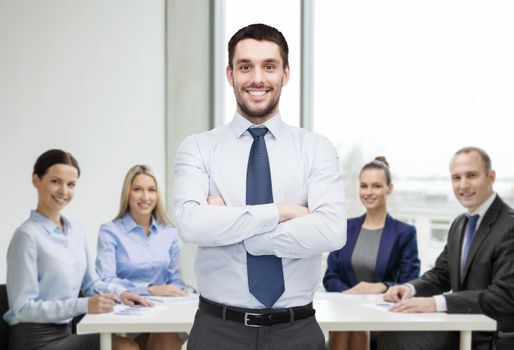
column 48, row 264
column 140, row 249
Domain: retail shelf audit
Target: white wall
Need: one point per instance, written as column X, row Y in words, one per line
column 87, row 77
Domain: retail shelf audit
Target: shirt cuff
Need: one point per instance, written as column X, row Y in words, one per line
column 266, row 220
column 412, row 289
column 440, row 303
column 179, row 283
column 116, row 289
column 265, row 217
column 141, row 289
column 82, row 305
column 259, row 245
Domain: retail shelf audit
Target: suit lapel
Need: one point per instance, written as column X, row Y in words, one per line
column 454, row 251
column 387, row 241
column 490, row 217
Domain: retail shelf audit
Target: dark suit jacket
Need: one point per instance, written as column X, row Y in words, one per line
column 397, row 258
column 487, row 284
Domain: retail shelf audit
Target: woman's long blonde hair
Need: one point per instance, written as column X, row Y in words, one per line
column 159, row 212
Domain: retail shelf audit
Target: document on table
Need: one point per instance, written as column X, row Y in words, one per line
column 135, row 311
column 158, row 305
column 384, row 306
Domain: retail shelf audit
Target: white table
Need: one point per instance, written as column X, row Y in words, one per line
column 334, row 312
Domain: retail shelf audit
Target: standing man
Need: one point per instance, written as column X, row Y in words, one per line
column 476, row 265
column 262, row 200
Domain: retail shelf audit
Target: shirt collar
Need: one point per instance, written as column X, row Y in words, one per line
column 129, row 224
column 49, row 225
column 240, row 125
column 482, row 209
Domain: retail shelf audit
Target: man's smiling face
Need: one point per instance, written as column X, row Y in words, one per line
column 257, row 77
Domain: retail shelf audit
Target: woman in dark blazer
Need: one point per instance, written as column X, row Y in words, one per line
column 380, row 251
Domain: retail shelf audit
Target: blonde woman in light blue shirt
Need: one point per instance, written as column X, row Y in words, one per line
column 140, row 249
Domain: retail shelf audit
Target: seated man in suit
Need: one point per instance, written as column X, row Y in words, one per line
column 476, row 265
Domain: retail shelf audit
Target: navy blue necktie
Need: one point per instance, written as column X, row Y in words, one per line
column 470, row 233
column 265, row 273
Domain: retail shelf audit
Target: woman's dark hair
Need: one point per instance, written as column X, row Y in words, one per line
column 52, row 157
column 259, row 32
column 379, row 162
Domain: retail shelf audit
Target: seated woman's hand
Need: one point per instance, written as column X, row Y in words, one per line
column 367, row 288
column 166, row 290
column 101, row 303
column 129, row 298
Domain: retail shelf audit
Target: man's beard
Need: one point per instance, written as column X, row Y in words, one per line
column 247, row 111
column 251, row 113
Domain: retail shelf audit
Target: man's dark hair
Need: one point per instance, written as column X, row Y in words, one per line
column 260, row 32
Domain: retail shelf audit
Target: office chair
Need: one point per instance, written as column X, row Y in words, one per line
column 502, row 341
column 4, row 327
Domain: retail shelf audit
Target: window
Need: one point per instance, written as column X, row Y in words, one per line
column 415, row 81
column 439, row 230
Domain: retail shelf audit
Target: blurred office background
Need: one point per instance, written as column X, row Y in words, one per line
column 123, row 82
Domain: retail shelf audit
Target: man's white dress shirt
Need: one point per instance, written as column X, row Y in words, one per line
column 304, row 170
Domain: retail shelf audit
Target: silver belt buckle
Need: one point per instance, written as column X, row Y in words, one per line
column 246, row 320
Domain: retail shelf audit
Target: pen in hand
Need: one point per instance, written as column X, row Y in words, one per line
column 96, row 291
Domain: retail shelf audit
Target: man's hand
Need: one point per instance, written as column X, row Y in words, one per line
column 101, row 303
column 367, row 288
column 215, row 200
column 287, row 211
column 415, row 305
column 167, row 290
column 397, row 293
column 129, row 298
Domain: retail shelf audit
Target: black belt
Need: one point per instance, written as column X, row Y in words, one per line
column 255, row 317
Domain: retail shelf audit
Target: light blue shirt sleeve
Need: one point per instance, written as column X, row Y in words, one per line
column 25, row 293
column 92, row 281
column 174, row 275
column 46, row 269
